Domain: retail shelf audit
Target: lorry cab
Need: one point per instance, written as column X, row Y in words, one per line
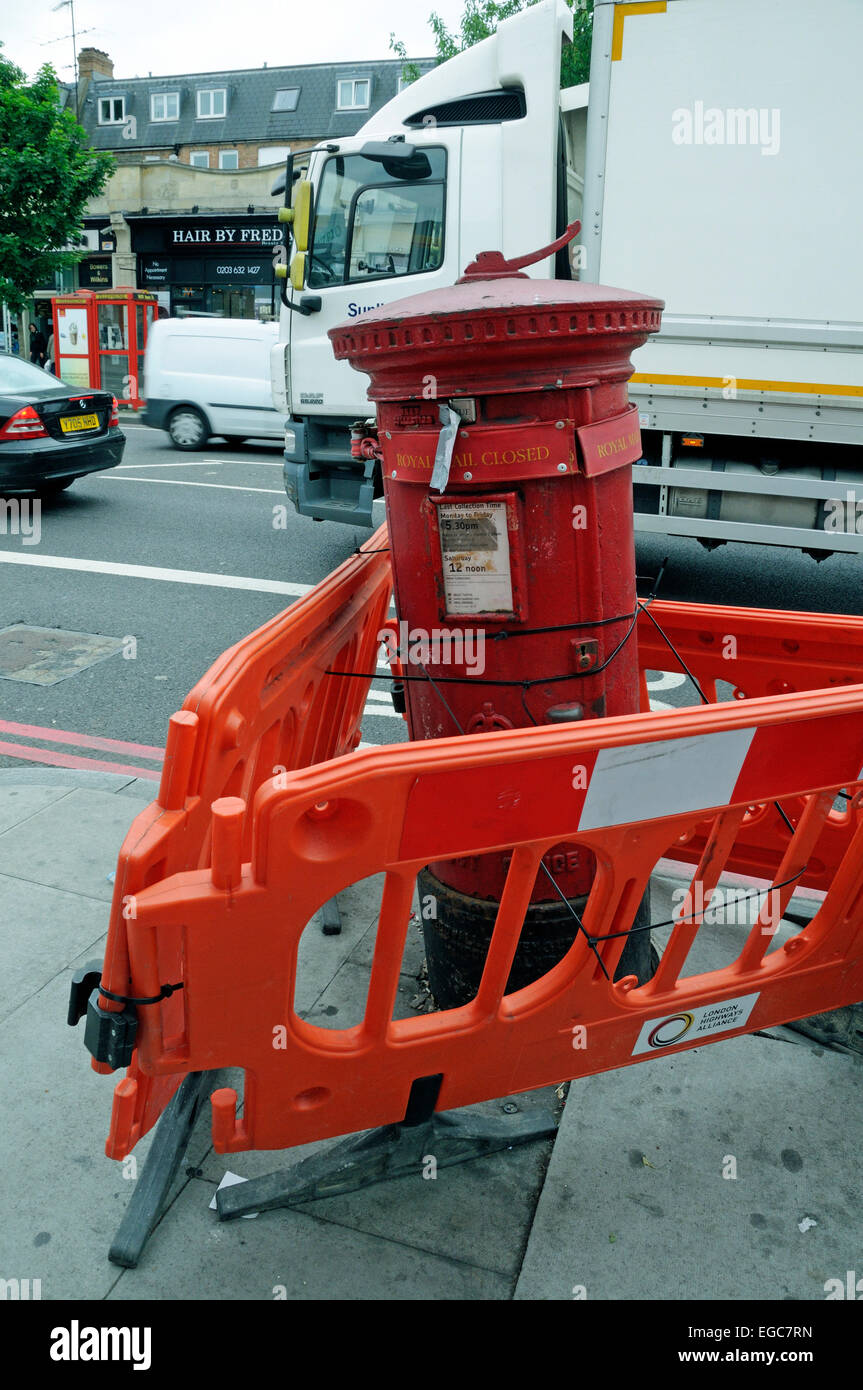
column 394, row 214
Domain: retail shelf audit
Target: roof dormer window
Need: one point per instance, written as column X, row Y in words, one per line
column 112, row 110
column 353, row 94
column 164, row 106
column 212, row 103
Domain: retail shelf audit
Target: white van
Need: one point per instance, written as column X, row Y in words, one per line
column 206, row 376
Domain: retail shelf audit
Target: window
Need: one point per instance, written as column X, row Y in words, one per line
column 353, row 94
column 200, row 159
column 212, row 102
column 377, row 219
column 165, row 106
column 286, row 99
column 112, row 110
column 229, row 159
column 273, row 154
column 404, row 82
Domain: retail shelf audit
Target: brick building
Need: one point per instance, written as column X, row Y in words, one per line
column 197, row 154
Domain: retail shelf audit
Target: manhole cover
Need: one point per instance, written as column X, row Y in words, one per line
column 46, row 655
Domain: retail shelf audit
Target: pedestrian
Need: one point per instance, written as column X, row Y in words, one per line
column 49, row 355
column 38, row 345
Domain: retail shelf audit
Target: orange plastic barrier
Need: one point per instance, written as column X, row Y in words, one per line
column 627, row 789
column 266, row 704
column 759, row 651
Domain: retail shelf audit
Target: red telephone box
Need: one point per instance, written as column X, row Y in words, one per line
column 100, row 337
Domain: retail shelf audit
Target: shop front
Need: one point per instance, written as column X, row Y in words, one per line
column 218, row 266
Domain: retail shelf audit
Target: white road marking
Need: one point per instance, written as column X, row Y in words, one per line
column 170, row 576
column 190, row 463
column 182, row 482
column 666, row 680
column 252, row 463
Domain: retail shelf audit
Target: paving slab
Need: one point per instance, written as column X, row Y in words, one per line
column 66, row 777
column 18, row 803
column 71, row 844
column 63, row 1199
column 289, row 1255
column 688, row 1177
column 41, row 930
column 320, row 957
column 477, row 1212
column 144, row 788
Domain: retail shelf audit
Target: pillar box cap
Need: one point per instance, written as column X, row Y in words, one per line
column 498, row 331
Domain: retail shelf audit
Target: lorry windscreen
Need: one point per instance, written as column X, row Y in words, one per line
column 373, row 224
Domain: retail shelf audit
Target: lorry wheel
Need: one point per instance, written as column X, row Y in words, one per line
column 187, row 428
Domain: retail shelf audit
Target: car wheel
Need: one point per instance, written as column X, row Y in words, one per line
column 188, row 428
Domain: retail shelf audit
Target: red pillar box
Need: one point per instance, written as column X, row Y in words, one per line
column 515, row 563
column 100, row 338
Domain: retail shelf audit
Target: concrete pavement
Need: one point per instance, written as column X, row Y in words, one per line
column 731, row 1171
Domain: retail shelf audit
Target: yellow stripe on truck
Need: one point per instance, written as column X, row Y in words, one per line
column 620, row 13
column 741, row 383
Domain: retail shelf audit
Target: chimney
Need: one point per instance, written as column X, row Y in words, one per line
column 92, row 63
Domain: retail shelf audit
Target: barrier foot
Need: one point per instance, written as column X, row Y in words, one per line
column 331, row 918
column 395, row 1151
column 167, row 1151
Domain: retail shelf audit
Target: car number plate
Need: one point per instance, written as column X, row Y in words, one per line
column 72, row 423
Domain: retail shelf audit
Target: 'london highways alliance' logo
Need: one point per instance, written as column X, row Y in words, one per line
column 670, row 1030
column 688, row 1027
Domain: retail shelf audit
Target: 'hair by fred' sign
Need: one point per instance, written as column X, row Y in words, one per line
column 226, row 236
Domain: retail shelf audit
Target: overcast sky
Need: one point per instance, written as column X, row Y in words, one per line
column 185, row 36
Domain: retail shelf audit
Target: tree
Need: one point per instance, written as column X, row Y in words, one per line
column 47, row 174
column 481, row 18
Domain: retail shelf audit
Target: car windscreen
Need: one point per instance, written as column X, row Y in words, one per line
column 17, row 376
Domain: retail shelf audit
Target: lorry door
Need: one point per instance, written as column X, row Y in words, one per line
column 382, row 230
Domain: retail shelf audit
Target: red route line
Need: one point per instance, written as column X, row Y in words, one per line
column 105, row 745
column 42, row 755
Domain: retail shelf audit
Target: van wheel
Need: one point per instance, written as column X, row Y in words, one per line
column 188, row 428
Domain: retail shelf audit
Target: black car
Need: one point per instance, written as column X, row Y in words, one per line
column 51, row 433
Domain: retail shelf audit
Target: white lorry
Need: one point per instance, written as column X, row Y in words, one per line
column 714, row 165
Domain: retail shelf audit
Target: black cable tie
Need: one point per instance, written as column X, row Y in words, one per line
column 165, row 993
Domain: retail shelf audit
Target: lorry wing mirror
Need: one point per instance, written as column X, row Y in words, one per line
column 400, row 160
column 298, row 271
column 388, row 149
column 302, row 214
